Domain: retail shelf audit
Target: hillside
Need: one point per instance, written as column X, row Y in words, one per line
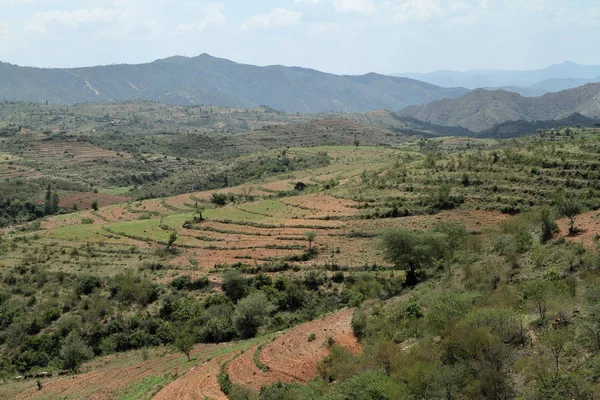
column 482, row 109
column 209, row 80
column 513, row 129
column 500, row 292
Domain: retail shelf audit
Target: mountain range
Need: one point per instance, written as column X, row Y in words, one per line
column 482, row 109
column 209, row 80
column 527, row 83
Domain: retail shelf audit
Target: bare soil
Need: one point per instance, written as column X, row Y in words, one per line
column 291, row 357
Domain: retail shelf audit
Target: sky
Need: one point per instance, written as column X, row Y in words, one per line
column 337, row 36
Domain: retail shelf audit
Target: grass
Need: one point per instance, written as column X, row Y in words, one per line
column 146, row 388
column 272, row 207
column 116, row 191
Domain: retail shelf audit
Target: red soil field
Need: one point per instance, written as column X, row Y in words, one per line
column 588, row 224
column 198, row 384
column 107, row 383
column 83, row 201
column 291, row 357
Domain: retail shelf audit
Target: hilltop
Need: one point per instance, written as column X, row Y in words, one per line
column 208, row 80
column 482, row 109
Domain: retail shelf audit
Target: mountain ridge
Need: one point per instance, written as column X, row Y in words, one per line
column 205, row 79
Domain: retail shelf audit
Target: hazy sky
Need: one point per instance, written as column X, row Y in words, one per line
column 340, row 36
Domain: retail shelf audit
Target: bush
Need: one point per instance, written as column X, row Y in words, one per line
column 87, row 284
column 185, row 283
column 129, row 288
column 370, row 385
column 74, row 352
column 234, row 284
column 219, row 199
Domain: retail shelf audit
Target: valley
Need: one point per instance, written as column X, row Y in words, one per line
column 209, row 260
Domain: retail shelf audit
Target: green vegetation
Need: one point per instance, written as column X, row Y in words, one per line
column 463, row 282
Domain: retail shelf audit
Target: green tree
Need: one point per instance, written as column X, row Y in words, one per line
column 74, row 352
column 233, row 284
column 95, row 205
column 547, row 224
column 172, row 239
column 591, row 326
column 556, row 341
column 185, row 343
column 540, row 292
column 250, row 313
column 310, row 237
column 48, row 201
column 455, row 234
column 413, row 250
column 54, row 202
column 570, row 207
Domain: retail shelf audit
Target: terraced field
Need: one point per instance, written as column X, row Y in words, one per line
column 140, row 375
column 261, row 232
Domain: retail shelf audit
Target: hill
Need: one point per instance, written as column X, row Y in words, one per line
column 209, row 80
column 497, row 299
column 482, row 109
column 512, row 129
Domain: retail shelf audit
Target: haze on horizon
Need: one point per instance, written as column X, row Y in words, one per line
column 338, row 36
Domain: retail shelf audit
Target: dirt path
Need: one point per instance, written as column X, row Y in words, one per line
column 292, row 357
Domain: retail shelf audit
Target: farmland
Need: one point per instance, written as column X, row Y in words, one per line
column 259, row 266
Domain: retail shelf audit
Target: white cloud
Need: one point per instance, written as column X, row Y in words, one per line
column 354, row 6
column 418, row 11
column 39, row 21
column 210, row 14
column 315, row 2
column 276, row 18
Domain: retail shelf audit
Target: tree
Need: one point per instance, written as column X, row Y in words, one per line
column 247, row 193
column 74, row 352
column 568, row 206
column 172, row 239
column 547, row 224
column 413, row 250
column 185, row 343
column 234, row 284
column 48, row 201
column 356, row 142
column 250, row 313
column 54, row 202
column 540, row 292
column 591, row 326
column 95, row 205
column 310, row 236
column 556, row 341
column 454, row 231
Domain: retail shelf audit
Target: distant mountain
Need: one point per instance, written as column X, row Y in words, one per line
column 547, row 86
column 482, row 109
column 531, row 83
column 205, row 79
